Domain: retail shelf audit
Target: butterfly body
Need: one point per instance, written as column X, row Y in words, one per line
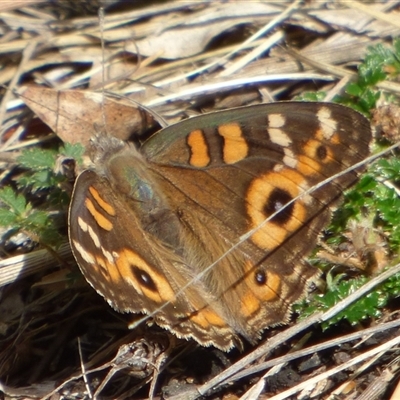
column 157, row 229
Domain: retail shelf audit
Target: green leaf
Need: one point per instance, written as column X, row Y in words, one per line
column 311, row 96
column 38, row 159
column 74, row 151
column 353, row 89
column 16, row 203
column 37, row 219
column 7, row 218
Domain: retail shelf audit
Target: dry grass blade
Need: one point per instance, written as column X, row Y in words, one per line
column 19, row 267
column 372, row 12
column 384, row 347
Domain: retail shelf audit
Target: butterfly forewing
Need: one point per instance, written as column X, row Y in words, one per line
column 195, row 190
column 133, row 271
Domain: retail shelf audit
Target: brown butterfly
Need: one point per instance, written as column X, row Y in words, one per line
column 148, row 221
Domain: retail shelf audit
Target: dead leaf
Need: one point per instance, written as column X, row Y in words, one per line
column 182, row 37
column 181, row 42
column 77, row 115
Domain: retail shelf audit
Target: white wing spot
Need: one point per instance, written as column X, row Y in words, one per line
column 82, row 224
column 278, row 167
column 94, row 237
column 88, row 257
column 278, row 136
column 290, row 159
column 327, row 123
column 276, row 120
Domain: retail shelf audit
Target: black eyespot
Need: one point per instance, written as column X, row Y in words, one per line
column 275, row 202
column 144, row 278
column 322, row 152
column 260, row 278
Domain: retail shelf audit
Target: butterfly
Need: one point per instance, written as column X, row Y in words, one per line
column 202, row 227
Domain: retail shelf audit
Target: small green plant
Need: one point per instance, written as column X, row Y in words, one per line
column 39, row 195
column 381, row 63
column 373, row 197
column 339, row 287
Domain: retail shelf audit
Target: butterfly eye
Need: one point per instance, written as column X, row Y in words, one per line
column 261, row 279
column 144, row 278
column 322, row 152
column 277, row 199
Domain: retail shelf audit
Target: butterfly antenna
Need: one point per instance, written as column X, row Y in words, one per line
column 101, row 23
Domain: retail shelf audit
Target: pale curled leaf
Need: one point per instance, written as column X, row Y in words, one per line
column 181, row 42
column 181, row 37
column 77, row 115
